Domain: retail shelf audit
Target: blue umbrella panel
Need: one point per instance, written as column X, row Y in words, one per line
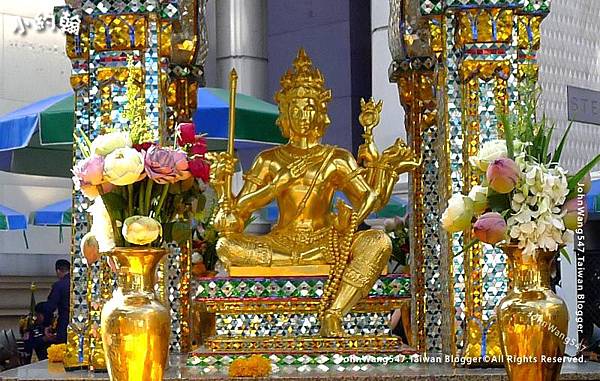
column 57, row 214
column 12, row 220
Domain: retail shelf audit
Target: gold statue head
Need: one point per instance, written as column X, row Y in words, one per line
column 303, row 100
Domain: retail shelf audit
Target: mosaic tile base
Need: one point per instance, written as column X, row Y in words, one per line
column 353, row 344
column 395, row 285
column 291, row 324
column 216, row 361
column 293, row 305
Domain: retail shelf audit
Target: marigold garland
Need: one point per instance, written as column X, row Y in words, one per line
column 254, row 366
column 56, row 352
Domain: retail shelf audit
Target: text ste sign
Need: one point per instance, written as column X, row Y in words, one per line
column 583, row 105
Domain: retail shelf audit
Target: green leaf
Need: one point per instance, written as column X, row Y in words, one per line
column 508, row 135
column 573, row 181
column 547, row 139
column 115, row 202
column 201, row 202
column 561, row 145
column 565, row 254
column 249, row 221
column 498, row 202
column 181, row 232
column 538, row 145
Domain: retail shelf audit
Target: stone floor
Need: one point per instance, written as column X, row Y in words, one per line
column 402, row 372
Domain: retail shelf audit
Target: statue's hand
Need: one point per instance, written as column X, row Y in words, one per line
column 400, row 157
column 343, row 220
column 222, row 166
column 227, row 221
column 367, row 154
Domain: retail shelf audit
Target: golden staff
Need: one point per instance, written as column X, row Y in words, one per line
column 232, row 93
column 231, row 139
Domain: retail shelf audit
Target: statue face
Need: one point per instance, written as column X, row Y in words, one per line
column 302, row 113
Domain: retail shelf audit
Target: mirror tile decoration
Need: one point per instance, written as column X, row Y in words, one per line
column 101, row 36
column 457, row 64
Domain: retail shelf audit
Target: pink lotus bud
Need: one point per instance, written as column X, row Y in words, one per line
column 490, row 228
column 576, row 213
column 89, row 171
column 503, row 175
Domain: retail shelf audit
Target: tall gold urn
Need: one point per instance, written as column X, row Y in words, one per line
column 532, row 319
column 135, row 326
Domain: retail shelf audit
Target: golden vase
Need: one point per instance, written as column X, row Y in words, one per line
column 135, row 326
column 532, row 319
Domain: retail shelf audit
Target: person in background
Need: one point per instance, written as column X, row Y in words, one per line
column 35, row 338
column 59, row 299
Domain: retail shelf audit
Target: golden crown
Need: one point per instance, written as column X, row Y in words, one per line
column 303, row 81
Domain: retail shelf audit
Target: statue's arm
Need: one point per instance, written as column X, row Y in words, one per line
column 257, row 190
column 352, row 182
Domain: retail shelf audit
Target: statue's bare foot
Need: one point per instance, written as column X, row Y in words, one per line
column 331, row 324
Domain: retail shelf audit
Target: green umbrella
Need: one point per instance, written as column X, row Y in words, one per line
column 53, row 118
column 54, row 121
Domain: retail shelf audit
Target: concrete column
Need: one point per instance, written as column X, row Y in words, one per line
column 241, row 35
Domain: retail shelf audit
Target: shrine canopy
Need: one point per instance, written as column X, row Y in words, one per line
column 54, row 119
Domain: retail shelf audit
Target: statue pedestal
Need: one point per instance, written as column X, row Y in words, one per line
column 277, row 317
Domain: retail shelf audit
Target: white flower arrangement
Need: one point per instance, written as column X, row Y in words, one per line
column 537, row 217
column 526, row 197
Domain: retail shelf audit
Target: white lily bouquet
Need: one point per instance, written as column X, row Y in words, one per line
column 525, row 196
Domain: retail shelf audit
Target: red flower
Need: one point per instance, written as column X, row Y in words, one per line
column 187, row 134
column 199, row 148
column 143, row 146
column 200, row 168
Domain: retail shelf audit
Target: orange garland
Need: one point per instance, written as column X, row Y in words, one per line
column 254, row 366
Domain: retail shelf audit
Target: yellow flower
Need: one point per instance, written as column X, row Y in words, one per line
column 56, row 352
column 254, row 366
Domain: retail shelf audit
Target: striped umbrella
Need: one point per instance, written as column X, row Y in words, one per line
column 254, row 118
column 13, row 220
column 54, row 119
column 396, row 207
column 57, row 214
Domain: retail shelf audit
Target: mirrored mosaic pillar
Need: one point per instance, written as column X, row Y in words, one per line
column 457, row 64
column 166, row 40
